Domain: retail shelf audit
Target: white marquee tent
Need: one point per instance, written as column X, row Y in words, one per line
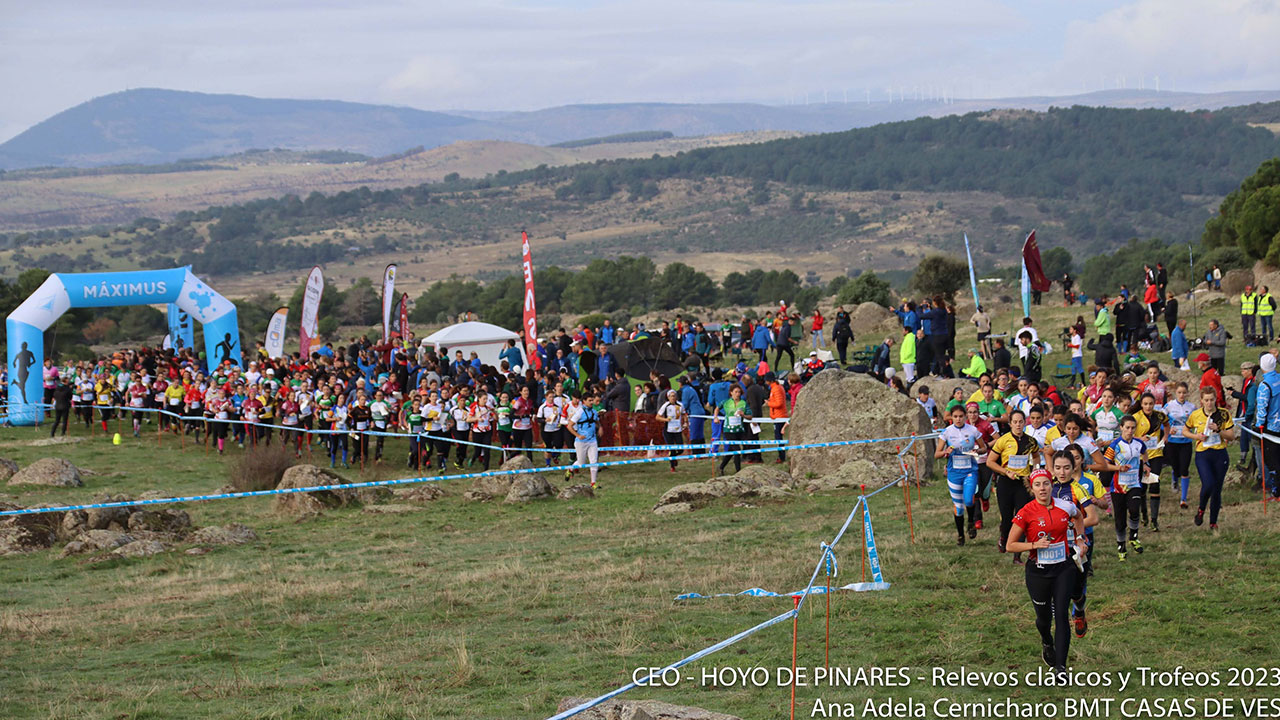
column 485, row 340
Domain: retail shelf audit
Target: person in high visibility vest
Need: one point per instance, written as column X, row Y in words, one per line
column 1266, row 309
column 1248, row 312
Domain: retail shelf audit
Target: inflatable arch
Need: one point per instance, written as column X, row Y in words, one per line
column 25, row 326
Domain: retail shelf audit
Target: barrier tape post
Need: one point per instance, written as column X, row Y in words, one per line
column 1262, row 460
column 827, row 654
column 795, row 628
column 862, row 489
column 915, row 450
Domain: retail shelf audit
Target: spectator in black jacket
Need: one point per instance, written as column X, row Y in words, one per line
column 61, row 406
column 784, row 343
column 618, row 395
column 1001, row 358
column 842, row 334
column 1104, row 353
column 757, row 395
column 883, row 358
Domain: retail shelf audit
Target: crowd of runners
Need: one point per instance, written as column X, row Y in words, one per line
column 1057, row 458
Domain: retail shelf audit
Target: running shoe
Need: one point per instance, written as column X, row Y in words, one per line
column 1017, row 559
column 567, row 475
column 1046, row 653
column 1183, row 504
column 1000, row 544
column 973, row 531
column 1082, row 625
column 977, row 524
column 1122, row 555
column 960, row 541
column 1155, row 526
column 986, row 504
column 1213, row 527
column 1199, row 517
column 1137, row 545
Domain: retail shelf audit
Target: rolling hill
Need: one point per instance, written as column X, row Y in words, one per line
column 874, row 198
column 159, row 126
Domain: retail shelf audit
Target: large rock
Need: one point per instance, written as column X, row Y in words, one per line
column 27, row 533
column 171, row 522
column 1234, row 282
column 310, row 503
column 837, row 406
column 529, row 487
column 872, row 323
column 1268, row 276
column 231, row 534
column 55, row 472
column 641, row 710
column 8, row 468
column 850, row 475
column 753, row 481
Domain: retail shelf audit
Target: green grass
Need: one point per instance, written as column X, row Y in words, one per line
column 482, row 610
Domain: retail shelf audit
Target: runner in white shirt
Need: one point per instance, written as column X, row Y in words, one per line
column 673, row 415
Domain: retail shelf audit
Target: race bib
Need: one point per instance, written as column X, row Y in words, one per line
column 87, row 397
column 222, row 415
column 251, row 417
column 1211, row 439
column 734, row 421
column 195, row 406
column 1128, row 478
column 1052, row 555
column 362, row 425
column 173, row 401
column 136, row 402
column 1106, row 435
column 290, row 419
column 961, row 462
column 1019, row 462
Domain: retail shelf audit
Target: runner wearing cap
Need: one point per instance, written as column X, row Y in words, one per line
column 1040, row 528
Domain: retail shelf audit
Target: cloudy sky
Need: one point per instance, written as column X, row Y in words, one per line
column 512, row 54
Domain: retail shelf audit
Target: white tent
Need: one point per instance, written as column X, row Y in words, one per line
column 483, row 339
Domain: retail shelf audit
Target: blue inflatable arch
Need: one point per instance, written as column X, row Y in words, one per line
column 25, row 326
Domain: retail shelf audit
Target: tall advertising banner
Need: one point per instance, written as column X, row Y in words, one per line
column 400, row 325
column 973, row 278
column 310, row 311
column 388, row 299
column 1031, row 259
column 181, row 332
column 530, row 308
column 275, row 333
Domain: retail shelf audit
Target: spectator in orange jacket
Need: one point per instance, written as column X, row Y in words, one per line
column 777, row 403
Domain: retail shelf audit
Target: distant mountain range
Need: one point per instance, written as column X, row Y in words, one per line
column 150, row 126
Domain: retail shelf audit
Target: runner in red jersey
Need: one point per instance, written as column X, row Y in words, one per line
column 1040, row 528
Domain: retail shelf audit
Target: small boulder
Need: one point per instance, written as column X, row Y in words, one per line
column 391, row 509
column 103, row 518
column 27, row 533
column 673, row 508
column 175, row 522
column 529, row 487
column 54, row 472
column 8, row 468
column 140, row 548
column 641, row 710
column 490, row 488
column 232, row 534
column 95, row 540
column 421, row 494
column 310, row 503
column 73, row 523
column 574, row 492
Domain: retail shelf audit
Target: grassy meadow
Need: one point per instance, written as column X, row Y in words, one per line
column 483, row 610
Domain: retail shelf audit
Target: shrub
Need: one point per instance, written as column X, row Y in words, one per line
column 261, row 468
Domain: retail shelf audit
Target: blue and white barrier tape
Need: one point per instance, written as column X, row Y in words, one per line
column 410, row 481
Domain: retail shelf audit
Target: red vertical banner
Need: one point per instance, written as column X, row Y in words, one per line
column 404, row 316
column 1031, row 256
column 530, row 308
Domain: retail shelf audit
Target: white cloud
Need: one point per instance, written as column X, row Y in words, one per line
column 514, row 54
column 1224, row 45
